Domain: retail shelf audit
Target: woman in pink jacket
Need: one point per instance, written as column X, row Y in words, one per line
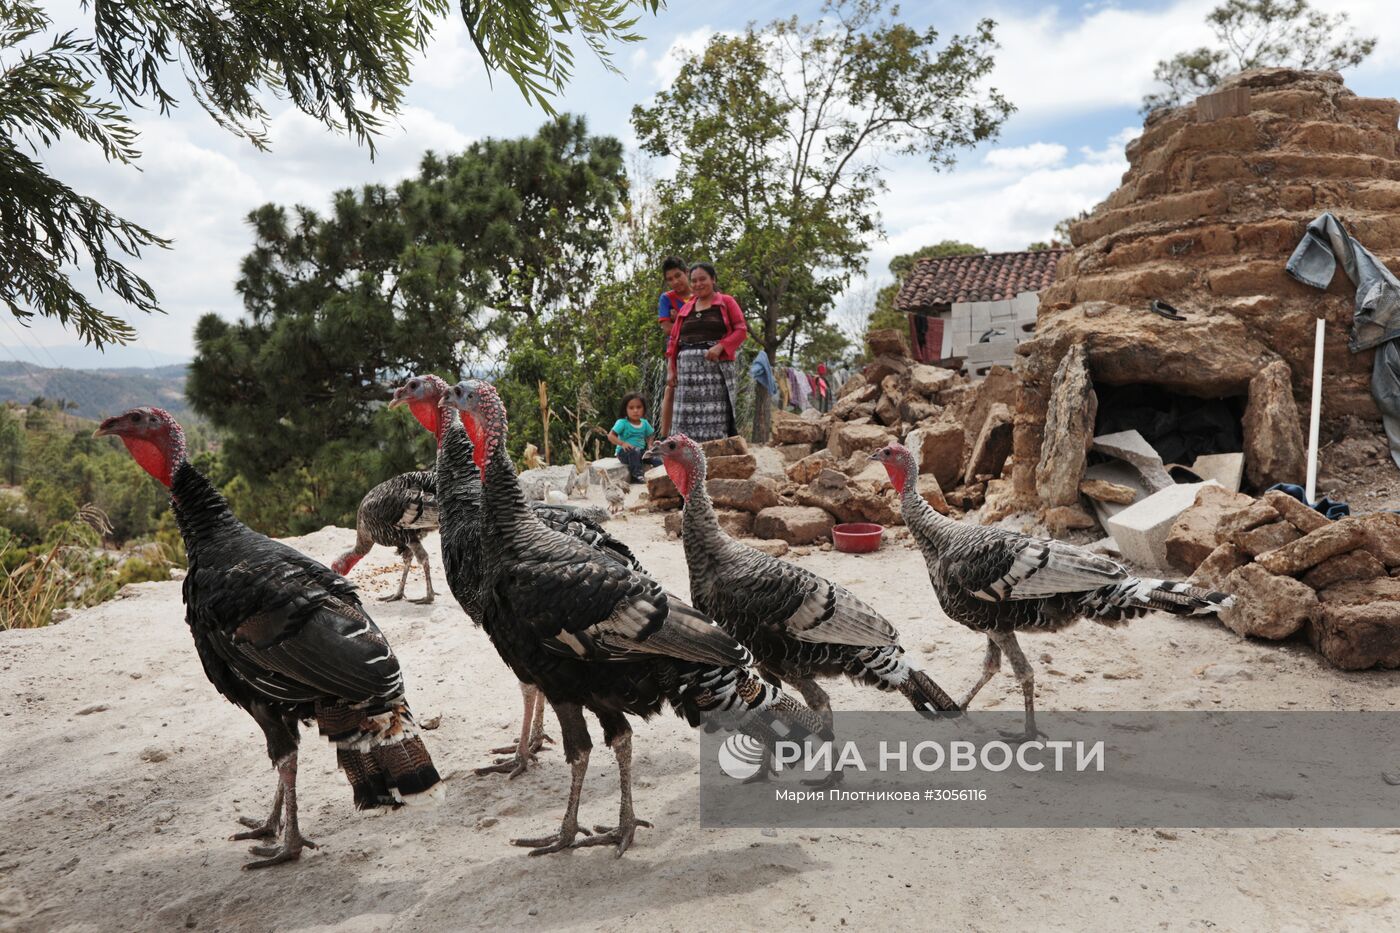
column 705, row 334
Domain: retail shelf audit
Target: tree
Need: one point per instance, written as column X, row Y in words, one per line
column 1259, row 34
column 784, row 127
column 423, row 277
column 11, row 445
column 346, row 64
column 884, row 316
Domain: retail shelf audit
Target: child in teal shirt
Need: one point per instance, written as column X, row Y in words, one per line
column 632, row 433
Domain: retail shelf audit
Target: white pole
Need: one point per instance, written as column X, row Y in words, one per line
column 1316, row 418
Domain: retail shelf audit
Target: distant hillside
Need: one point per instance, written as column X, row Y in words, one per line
column 98, row 392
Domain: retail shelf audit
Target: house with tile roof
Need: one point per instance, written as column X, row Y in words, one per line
column 975, row 308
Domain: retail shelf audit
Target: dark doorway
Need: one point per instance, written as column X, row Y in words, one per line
column 1179, row 427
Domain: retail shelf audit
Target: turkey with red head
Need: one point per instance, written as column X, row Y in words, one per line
column 999, row 582
column 286, row 639
column 396, row 513
column 459, row 496
column 799, row 626
column 594, row 634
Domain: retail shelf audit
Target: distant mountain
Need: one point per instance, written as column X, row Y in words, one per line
column 98, row 392
column 78, row 356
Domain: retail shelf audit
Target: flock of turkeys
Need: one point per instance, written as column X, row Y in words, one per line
column 580, row 623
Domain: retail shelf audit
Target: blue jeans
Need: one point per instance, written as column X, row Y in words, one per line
column 634, row 461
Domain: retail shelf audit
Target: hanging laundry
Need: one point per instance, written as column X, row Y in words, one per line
column 762, row 372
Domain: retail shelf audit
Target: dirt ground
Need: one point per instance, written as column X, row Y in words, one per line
column 124, row 771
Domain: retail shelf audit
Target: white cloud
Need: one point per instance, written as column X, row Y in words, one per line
column 667, row 66
column 1036, row 155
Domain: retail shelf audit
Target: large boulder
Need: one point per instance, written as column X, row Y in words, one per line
column 1273, row 433
column 993, row 445
column 850, row 438
column 1310, row 550
column 659, row 485
column 739, row 466
column 848, row 500
column 914, row 409
column 750, row 495
column 791, row 453
column 938, row 448
column 1297, row 514
column 1359, row 564
column 932, row 493
column 806, row 469
column 928, row 380
column 1212, row 572
column 1196, row 532
column 887, row 365
column 886, row 342
column 1069, row 432
column 736, row 524
column 1256, row 541
column 795, row 524
column 1266, row 605
column 856, row 383
column 1382, row 530
column 725, row 447
column 1359, row 624
column 795, row 430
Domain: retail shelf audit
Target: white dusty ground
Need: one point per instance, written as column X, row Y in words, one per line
column 123, row 772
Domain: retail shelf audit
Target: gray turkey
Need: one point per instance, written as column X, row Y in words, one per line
column 396, row 513
column 286, row 639
column 799, row 626
column 595, row 634
column 999, row 582
column 459, row 492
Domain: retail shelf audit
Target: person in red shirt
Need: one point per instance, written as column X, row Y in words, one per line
column 705, row 335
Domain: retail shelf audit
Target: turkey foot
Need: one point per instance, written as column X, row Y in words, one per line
column 621, row 836
column 425, row 601
column 558, row 842
column 292, row 840
column 266, row 829
column 512, row 767
column 391, row 599
column 1029, row 734
column 288, row 851
column 826, row 783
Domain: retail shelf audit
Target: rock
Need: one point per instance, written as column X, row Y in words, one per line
column 848, row 501
column 1102, row 490
column 968, row 497
column 938, row 449
column 791, row 453
column 853, row 437
column 1382, row 536
column 1265, row 538
column 914, row 409
column 1000, row 386
column 998, row 502
column 797, row 431
column 807, row 469
column 1359, row 624
column 1069, row 432
column 153, row 755
column 611, row 468
column 856, row 383
column 887, row 410
column 1061, row 519
column 1141, row 529
column 664, row 503
column 1312, row 549
column 1120, row 474
column 1359, row 564
column 993, row 445
column 932, row 493
column 749, row 495
column 1225, row 469
column 886, row 365
column 739, row 466
column 851, row 408
column 672, row 523
column 1196, row 532
column 659, row 485
column 795, row 524
column 1273, row 433
column 771, row 548
column 769, row 461
column 1130, row 447
column 1253, row 515
column 725, row 447
column 887, row 341
column 928, row 380
column 1267, row 606
column 1294, row 512
column 1212, row 572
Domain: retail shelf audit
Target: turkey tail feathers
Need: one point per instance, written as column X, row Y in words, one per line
column 1135, row 596
column 382, row 755
column 927, row 696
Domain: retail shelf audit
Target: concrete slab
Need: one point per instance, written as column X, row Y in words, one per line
column 1130, row 447
column 1115, row 471
column 1226, row 469
column 1141, row 529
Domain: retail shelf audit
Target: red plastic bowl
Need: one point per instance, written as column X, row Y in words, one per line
column 857, row 537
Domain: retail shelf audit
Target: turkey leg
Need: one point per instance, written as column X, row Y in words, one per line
column 532, row 737
column 627, row 822
column 819, row 702
column 1025, row 675
column 267, row 830
column 422, row 554
column 576, row 747
column 292, row 840
column 403, row 578
column 991, row 663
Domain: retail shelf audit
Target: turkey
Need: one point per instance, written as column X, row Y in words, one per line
column 799, row 626
column 594, row 634
column 1000, row 582
column 396, row 513
column 617, row 498
column 459, row 491
column 286, row 639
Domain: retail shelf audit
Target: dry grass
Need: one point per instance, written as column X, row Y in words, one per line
column 65, row 571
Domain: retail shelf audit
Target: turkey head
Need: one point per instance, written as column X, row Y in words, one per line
column 899, row 464
column 153, row 438
column 684, row 462
column 421, row 394
column 484, row 417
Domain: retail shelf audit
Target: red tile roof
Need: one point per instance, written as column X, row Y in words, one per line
column 988, row 277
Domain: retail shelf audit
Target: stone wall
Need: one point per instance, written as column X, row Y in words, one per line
column 1205, row 218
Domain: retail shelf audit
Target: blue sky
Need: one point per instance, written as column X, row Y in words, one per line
column 1075, row 71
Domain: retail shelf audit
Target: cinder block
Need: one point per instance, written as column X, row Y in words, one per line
column 1141, row 529
column 1002, row 348
column 1026, row 302
column 1003, row 311
column 980, row 315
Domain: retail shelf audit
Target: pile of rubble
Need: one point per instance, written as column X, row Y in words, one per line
column 959, row 431
column 1292, row 571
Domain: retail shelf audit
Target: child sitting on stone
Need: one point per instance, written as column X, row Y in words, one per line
column 632, row 433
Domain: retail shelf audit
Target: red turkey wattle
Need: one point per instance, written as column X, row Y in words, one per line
column 150, row 457
column 428, row 415
column 679, row 475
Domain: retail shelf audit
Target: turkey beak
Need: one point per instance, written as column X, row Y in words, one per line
column 398, row 398
column 106, row 428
